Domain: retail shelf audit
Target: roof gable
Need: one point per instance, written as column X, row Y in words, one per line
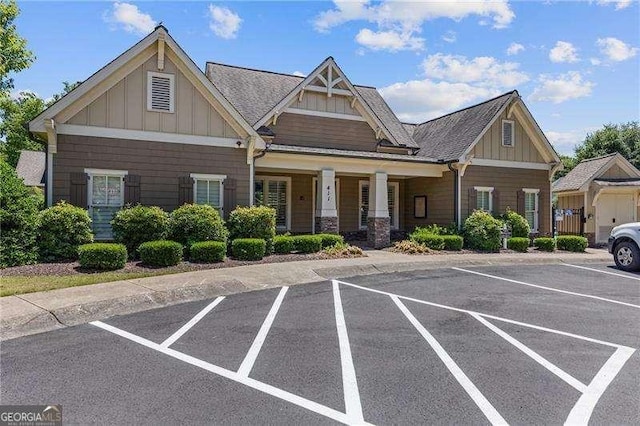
column 586, row 171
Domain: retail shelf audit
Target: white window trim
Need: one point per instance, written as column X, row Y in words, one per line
column 104, row 172
column 513, row 136
column 265, row 190
column 536, row 217
column 207, row 177
column 396, row 202
column 172, row 91
column 488, row 189
column 314, row 182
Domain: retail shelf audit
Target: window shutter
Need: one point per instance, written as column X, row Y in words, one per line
column 132, row 189
column 185, row 190
column 78, row 192
column 230, row 201
column 473, row 201
column 495, row 202
column 541, row 207
column 520, row 203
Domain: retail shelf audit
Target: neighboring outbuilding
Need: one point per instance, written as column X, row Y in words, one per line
column 31, row 167
column 598, row 194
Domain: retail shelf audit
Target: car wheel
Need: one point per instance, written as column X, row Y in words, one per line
column 627, row 256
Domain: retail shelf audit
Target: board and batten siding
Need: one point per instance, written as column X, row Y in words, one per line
column 508, row 181
column 615, row 172
column 440, row 200
column 490, row 146
column 124, row 106
column 159, row 165
column 312, row 131
column 321, row 102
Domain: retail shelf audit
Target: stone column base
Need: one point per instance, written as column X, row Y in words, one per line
column 327, row 225
column 378, row 232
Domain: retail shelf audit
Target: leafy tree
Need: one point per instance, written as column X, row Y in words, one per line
column 569, row 163
column 623, row 138
column 14, row 55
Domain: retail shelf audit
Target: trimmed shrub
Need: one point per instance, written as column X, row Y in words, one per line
column 453, row 242
column 432, row 241
column 160, row 253
column 518, row 244
column 105, row 256
column 482, row 231
column 253, row 222
column 517, row 224
column 410, row 247
column 283, row 244
column 192, row 223
column 330, row 240
column 544, row 244
column 137, row 224
column 18, row 219
column 62, row 229
column 248, row 248
column 208, row 251
column 307, row 243
column 572, row 243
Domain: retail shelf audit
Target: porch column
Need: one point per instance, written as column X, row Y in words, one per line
column 326, row 213
column 378, row 221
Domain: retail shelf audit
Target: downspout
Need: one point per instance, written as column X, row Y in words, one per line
column 456, row 192
column 252, row 166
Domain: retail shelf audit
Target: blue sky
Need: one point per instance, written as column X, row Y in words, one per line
column 576, row 64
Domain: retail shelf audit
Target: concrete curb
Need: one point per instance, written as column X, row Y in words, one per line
column 45, row 311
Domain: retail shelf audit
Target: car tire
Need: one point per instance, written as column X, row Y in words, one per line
column 627, row 256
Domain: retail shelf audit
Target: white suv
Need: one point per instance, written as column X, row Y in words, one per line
column 623, row 244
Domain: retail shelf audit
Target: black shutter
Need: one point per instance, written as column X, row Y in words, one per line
column 473, row 201
column 520, row 203
column 230, row 198
column 78, row 190
column 542, row 205
column 495, row 203
column 132, row 189
column 185, row 190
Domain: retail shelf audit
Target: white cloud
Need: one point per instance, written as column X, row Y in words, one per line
column 484, row 70
column 405, row 19
column 561, row 88
column 420, row 100
column 616, row 50
column 620, row 4
column 563, row 52
column 450, row 37
column 389, row 40
column 514, row 49
column 299, row 74
column 565, row 142
column 223, row 22
column 130, row 18
column 595, row 61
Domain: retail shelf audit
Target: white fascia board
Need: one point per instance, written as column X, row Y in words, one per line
column 324, row 114
column 510, row 164
column 538, row 130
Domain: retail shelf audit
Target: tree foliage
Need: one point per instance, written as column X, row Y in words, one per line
column 14, row 55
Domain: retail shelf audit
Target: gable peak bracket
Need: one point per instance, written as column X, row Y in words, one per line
column 161, row 43
column 300, row 96
column 52, row 135
column 511, row 107
column 378, row 132
column 353, row 101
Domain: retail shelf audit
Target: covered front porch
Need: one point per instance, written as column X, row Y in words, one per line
column 353, row 197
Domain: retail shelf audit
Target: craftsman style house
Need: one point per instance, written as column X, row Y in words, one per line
column 152, row 128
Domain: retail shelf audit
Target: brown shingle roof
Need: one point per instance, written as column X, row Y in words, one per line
column 581, row 174
column 31, row 166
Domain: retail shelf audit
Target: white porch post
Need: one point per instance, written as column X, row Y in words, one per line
column 378, row 221
column 326, row 211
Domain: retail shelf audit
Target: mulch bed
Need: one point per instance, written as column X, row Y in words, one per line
column 73, row 268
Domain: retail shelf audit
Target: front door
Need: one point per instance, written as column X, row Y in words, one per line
column 613, row 210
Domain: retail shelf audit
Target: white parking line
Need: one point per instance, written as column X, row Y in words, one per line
column 487, row 409
column 581, row 411
column 601, row 271
column 349, row 381
column 254, row 350
column 495, row 277
column 231, row 375
column 182, row 330
column 569, row 379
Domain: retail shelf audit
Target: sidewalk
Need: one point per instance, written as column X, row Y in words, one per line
column 38, row 312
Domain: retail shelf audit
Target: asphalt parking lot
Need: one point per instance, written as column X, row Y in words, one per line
column 543, row 344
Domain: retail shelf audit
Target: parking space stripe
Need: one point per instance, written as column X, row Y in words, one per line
column 618, row 302
column 254, row 350
column 193, row 321
column 352, row 403
column 569, row 379
column 601, row 271
column 489, row 410
column 581, row 411
column 231, row 375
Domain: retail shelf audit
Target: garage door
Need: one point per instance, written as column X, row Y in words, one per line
column 613, row 210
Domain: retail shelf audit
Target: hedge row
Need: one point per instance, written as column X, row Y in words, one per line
column 427, row 238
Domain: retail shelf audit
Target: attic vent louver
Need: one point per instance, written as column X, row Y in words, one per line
column 507, row 132
column 160, row 92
